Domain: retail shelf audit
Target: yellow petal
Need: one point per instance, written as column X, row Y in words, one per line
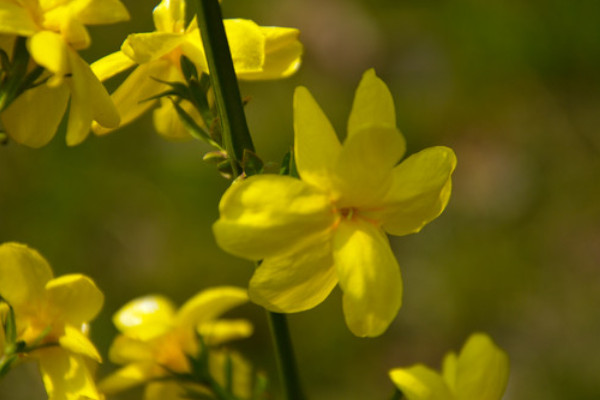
column 421, row 383
column 283, row 53
column 193, row 49
column 23, row 274
column 246, row 43
column 242, row 379
column 419, row 192
column 269, row 215
column 66, row 376
column 209, row 305
column 295, row 282
column 218, row 332
column 449, row 367
column 77, row 342
column 48, row 103
column 316, row 146
column 482, row 369
column 145, row 47
column 131, row 97
column 89, row 101
column 169, row 16
column 167, row 122
column 373, row 105
column 16, row 20
column 145, row 317
column 170, row 390
column 125, row 350
column 75, row 298
column 364, row 169
column 111, row 65
column 100, row 12
column 49, row 50
column 369, row 277
column 127, row 377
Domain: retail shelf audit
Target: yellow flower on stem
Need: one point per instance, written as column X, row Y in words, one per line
column 479, row 372
column 330, row 226
column 51, row 316
column 157, row 340
column 258, row 53
column 55, row 31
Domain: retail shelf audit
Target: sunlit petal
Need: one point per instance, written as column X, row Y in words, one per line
column 49, row 50
column 217, row 332
column 421, row 383
column 168, row 123
column 169, row 16
column 449, row 367
column 75, row 297
column 125, row 378
column 247, row 44
column 297, row 281
column 369, row 277
column 111, row 65
column 316, row 145
column 145, row 317
column 420, row 191
column 373, row 105
column 482, row 370
column 125, row 349
column 210, row 304
column 66, row 375
column 267, row 215
column 77, row 342
column 146, row 47
column 23, row 274
column 16, row 20
column 98, row 12
column 49, row 103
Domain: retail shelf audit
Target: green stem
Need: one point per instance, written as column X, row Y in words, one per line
column 236, row 135
column 285, row 356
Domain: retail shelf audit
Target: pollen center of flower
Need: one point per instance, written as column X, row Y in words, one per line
column 348, row 213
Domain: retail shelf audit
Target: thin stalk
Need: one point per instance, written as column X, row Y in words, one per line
column 236, row 135
column 285, row 357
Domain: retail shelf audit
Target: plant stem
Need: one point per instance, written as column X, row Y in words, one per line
column 236, row 135
column 285, row 356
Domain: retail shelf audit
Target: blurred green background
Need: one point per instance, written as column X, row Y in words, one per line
column 513, row 87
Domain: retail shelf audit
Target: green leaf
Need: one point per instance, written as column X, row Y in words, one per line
column 288, row 165
column 192, row 127
column 251, row 163
column 188, row 69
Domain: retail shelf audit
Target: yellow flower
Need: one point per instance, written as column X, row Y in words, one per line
column 51, row 317
column 55, row 30
column 479, row 372
column 330, row 226
column 257, row 52
column 156, row 340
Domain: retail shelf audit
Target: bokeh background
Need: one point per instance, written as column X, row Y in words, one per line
column 513, row 87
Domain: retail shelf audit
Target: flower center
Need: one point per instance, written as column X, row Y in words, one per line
column 348, row 212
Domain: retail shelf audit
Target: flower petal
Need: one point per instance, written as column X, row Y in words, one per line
column 420, row 191
column 16, row 20
column 111, row 65
column 283, row 52
column 171, row 391
column 482, row 370
column 295, row 282
column 218, row 332
column 145, row 47
column 246, row 43
column 209, row 304
column 48, row 103
column 268, row 215
column 373, row 105
column 89, row 101
column 125, row 350
column 421, row 383
column 145, row 317
column 74, row 298
column 316, row 146
column 363, row 171
column 77, row 342
column 169, row 16
column 23, row 274
column 100, row 12
column 369, row 277
column 65, row 375
column 167, row 122
column 49, row 50
column 449, row 367
column 127, row 377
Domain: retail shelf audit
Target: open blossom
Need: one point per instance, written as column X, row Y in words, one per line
column 258, row 53
column 330, row 227
column 55, row 31
column 51, row 316
column 157, row 340
column 479, row 372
